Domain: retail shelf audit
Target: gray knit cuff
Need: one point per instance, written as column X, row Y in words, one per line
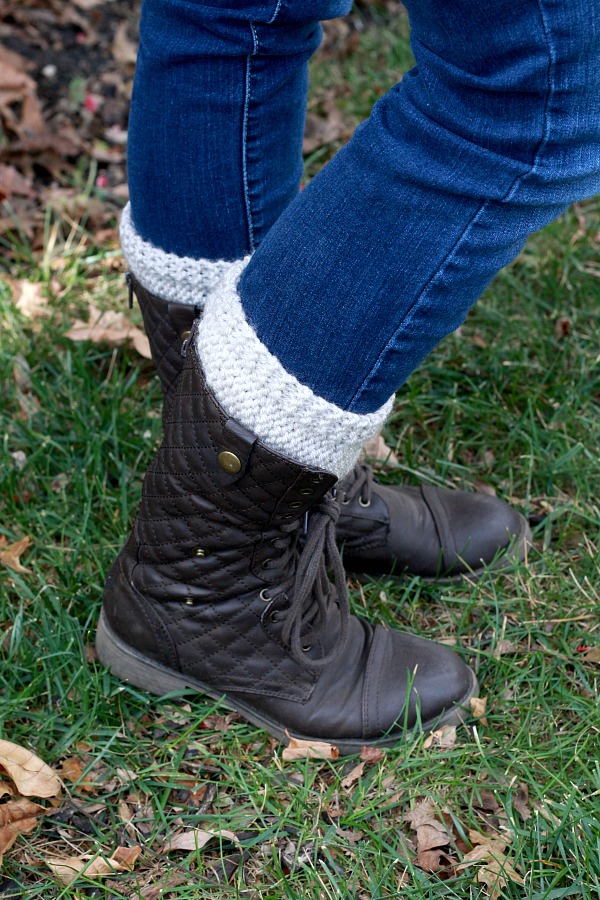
column 178, row 279
column 253, row 387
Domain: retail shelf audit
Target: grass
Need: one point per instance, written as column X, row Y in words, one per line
column 510, row 402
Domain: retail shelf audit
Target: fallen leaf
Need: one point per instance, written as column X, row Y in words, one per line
column 495, row 870
column 443, row 739
column 372, row 754
column 29, row 299
column 299, row 749
column 520, row 801
column 124, row 50
column 10, row 554
column 18, row 816
column 353, row 776
column 69, row 867
column 478, row 707
column 72, row 770
column 432, row 835
column 196, row 839
column 592, row 655
column 110, row 328
column 377, row 450
column 31, row 775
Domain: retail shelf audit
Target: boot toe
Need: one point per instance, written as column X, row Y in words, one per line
column 418, row 682
column 478, row 531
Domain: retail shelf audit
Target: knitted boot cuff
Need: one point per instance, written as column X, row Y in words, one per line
column 177, row 279
column 253, row 387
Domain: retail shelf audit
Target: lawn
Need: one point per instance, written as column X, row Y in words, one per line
column 507, row 806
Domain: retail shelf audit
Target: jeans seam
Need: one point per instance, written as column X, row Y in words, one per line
column 276, row 13
column 507, row 196
column 247, row 202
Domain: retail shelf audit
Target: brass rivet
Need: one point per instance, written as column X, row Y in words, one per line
column 184, row 335
column 199, row 552
column 229, row 462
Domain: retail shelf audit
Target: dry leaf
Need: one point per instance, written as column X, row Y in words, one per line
column 495, row 870
column 520, row 802
column 18, row 816
column 68, row 868
column 478, row 707
column 29, row 300
column 353, row 776
column 372, row 754
column 31, row 775
column 196, row 839
column 110, row 328
column 124, row 50
column 298, row 749
column 592, row 655
column 10, row 555
column 443, row 739
column 377, row 449
column 432, row 836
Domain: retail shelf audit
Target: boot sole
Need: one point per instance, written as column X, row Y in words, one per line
column 502, row 565
column 131, row 666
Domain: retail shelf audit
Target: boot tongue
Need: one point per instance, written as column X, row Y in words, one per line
column 311, row 589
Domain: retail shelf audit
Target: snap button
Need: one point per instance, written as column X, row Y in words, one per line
column 229, row 462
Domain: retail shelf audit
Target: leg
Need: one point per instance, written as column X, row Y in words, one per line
column 236, row 84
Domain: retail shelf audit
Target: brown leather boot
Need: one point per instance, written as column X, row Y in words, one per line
column 437, row 534
column 213, row 592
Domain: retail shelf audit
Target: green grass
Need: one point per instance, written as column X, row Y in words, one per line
column 510, row 401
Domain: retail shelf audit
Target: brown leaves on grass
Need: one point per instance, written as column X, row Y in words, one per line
column 69, row 867
column 434, row 840
column 32, row 778
column 299, row 749
column 29, row 299
column 494, row 870
column 10, row 555
column 196, row 838
column 31, row 775
column 110, row 328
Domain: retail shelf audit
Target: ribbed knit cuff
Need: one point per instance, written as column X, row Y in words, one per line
column 253, row 387
column 178, row 279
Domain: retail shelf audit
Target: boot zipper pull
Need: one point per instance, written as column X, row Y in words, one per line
column 190, row 336
column 129, row 282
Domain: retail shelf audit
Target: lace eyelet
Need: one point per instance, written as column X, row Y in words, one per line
column 296, row 504
column 265, row 564
column 264, row 596
column 189, row 602
column 274, row 616
column 273, row 542
column 307, row 492
column 345, row 501
column 364, row 503
column 306, row 648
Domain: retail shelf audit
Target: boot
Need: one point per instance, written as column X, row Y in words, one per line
column 437, row 534
column 214, row 591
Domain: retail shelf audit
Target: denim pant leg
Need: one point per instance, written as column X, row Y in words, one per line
column 217, row 119
column 489, row 138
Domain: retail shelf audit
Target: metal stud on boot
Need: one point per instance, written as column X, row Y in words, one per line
column 213, row 592
column 437, row 534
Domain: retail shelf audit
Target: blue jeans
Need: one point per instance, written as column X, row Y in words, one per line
column 353, row 281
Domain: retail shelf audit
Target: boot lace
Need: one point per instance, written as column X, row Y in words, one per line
column 305, row 579
column 359, row 483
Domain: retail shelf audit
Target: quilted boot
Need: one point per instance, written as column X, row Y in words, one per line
column 437, row 534
column 215, row 592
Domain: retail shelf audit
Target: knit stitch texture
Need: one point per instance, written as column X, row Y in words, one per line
column 253, row 387
column 178, row 279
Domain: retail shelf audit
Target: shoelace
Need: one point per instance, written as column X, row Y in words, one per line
column 309, row 584
column 359, row 483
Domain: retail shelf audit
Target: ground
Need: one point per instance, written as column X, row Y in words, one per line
column 183, row 796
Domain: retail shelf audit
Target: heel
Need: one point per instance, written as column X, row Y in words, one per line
column 129, row 665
